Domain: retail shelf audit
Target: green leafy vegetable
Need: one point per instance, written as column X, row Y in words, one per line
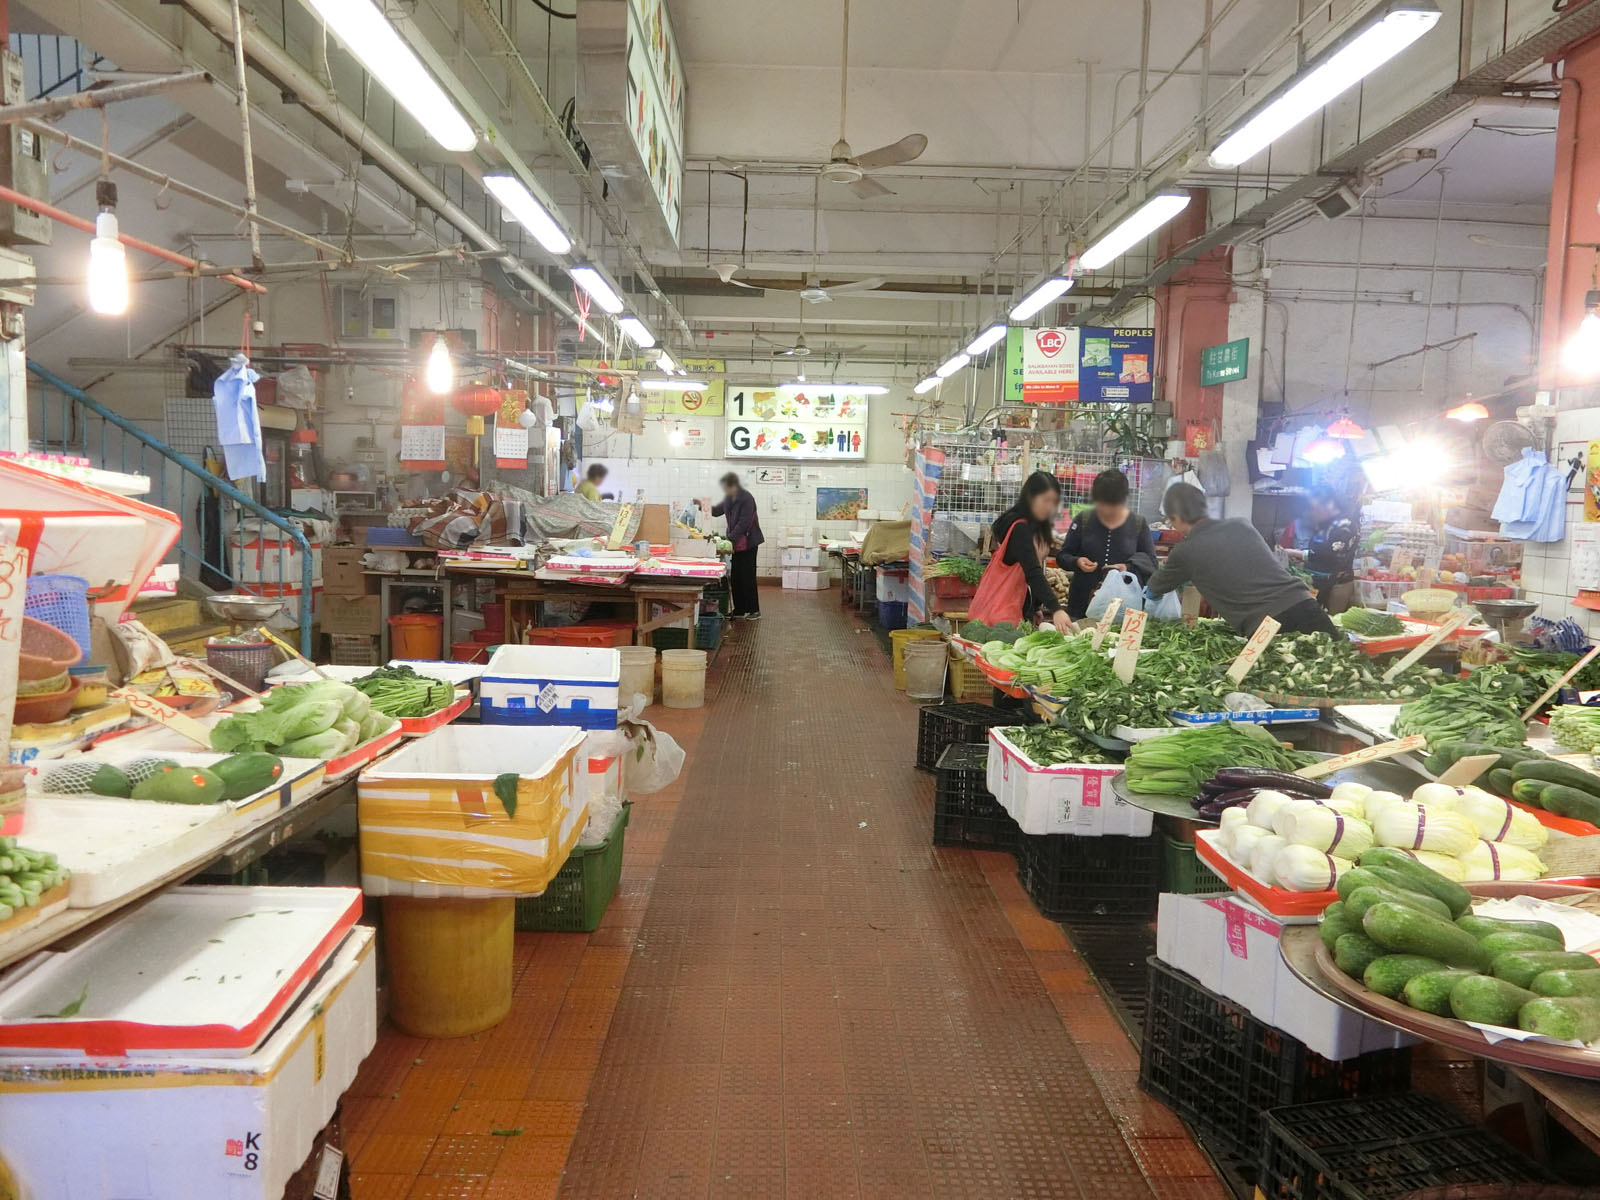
column 505, row 786
column 1176, row 764
column 1576, row 726
column 1368, row 623
column 70, row 1010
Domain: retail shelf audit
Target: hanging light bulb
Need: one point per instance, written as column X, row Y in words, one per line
column 1470, row 411
column 440, row 373
column 1322, row 451
column 1582, row 353
column 108, row 261
column 1345, row 428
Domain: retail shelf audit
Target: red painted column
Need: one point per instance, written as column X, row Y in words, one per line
column 1574, row 218
column 1191, row 314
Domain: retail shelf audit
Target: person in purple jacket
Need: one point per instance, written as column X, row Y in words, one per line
column 744, row 531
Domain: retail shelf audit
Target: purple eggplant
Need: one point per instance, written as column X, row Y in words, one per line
column 1263, row 777
column 1216, row 787
column 1215, row 806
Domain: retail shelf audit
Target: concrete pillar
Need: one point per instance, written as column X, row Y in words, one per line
column 1574, row 219
column 1241, row 400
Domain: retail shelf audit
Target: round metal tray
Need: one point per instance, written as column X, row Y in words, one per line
column 1387, row 774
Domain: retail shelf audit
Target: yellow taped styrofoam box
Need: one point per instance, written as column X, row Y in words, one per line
column 471, row 811
column 193, row 1129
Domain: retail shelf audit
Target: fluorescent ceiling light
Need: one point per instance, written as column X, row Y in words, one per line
column 664, row 361
column 987, row 338
column 378, row 46
column 1133, row 229
column 591, row 281
column 1350, row 60
column 1040, row 296
column 951, row 365
column 673, row 385
column 514, row 195
column 927, row 385
column 638, row 332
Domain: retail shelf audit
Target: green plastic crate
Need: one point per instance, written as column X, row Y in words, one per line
column 577, row 897
column 1182, row 871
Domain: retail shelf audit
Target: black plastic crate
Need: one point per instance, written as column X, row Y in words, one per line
column 1072, row 878
column 965, row 812
column 1219, row 1068
column 941, row 725
column 1378, row 1147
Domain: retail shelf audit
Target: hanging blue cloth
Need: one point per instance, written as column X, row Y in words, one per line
column 1520, row 495
column 1544, row 498
column 233, row 396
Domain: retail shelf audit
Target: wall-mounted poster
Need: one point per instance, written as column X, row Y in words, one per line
column 1116, row 366
column 706, row 403
column 840, row 504
column 1050, row 365
column 793, row 422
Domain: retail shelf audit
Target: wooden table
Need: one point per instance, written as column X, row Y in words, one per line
column 524, row 594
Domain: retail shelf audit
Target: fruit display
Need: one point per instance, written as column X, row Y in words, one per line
column 153, row 778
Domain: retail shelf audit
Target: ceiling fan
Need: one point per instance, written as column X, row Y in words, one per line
column 802, row 349
column 811, row 288
column 845, row 166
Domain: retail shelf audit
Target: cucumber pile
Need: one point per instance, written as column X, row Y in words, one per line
column 25, row 875
column 1529, row 777
column 1408, row 933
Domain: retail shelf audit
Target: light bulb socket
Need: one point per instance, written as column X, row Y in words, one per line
column 105, row 195
column 1591, row 299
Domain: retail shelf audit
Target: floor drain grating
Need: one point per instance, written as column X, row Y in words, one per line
column 1116, row 955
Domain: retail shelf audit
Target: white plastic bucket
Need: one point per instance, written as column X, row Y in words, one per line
column 638, row 674
column 683, row 678
column 925, row 669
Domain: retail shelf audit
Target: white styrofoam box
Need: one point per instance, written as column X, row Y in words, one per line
column 194, row 1128
column 805, row 580
column 267, row 556
column 802, row 556
column 1230, row 946
column 894, row 587
column 551, row 685
column 1066, row 798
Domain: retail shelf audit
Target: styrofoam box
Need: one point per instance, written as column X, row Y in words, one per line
column 551, row 685
column 894, row 587
column 802, row 556
column 1066, row 798
column 194, row 1129
column 1231, row 946
column 805, row 580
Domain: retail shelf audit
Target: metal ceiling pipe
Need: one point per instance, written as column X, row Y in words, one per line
column 99, row 97
column 280, row 64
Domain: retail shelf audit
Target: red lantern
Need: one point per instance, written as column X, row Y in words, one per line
column 477, row 402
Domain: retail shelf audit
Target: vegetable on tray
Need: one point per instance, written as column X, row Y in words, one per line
column 25, row 875
column 1479, row 708
column 1576, row 727
column 304, row 720
column 1176, row 764
column 956, row 566
column 1365, row 622
column 1049, row 746
column 401, row 692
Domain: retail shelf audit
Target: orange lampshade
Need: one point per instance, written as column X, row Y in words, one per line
column 1470, row 411
column 1345, row 428
column 476, row 402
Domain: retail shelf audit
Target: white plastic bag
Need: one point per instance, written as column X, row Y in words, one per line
column 1164, row 608
column 1117, row 585
column 297, row 389
column 651, row 760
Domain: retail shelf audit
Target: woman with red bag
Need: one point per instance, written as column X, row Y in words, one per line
column 1014, row 588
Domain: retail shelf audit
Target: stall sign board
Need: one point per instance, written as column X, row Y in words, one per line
column 1227, row 363
column 1015, row 370
column 1116, row 366
column 783, row 423
column 1050, row 365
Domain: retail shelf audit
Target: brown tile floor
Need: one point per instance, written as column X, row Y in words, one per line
column 793, row 995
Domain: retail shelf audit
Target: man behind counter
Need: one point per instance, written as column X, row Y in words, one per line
column 1234, row 570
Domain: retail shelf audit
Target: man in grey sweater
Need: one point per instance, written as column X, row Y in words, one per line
column 1233, row 569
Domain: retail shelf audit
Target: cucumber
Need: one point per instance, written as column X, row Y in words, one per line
column 1357, row 877
column 1336, row 922
column 1354, row 953
column 1481, row 927
column 1447, row 755
column 1527, row 791
column 1505, row 942
column 1564, row 981
column 1488, row 1000
column 1567, row 801
column 1500, row 781
column 1522, row 967
column 1389, row 975
column 1360, row 900
column 1423, row 879
column 1430, row 991
column 1567, row 1018
column 1401, row 929
column 1553, row 771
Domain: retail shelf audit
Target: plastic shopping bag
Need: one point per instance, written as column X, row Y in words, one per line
column 651, row 760
column 1117, row 585
column 1164, row 608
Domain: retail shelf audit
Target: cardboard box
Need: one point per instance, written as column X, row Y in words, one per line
column 351, row 614
column 804, row 580
column 655, row 525
column 802, row 556
column 342, row 573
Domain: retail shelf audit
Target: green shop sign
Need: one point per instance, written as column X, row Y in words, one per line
column 1227, row 363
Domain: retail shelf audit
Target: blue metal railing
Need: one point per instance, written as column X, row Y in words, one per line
column 209, row 549
column 52, row 64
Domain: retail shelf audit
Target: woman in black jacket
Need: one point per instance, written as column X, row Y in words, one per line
column 1105, row 538
column 744, row 531
column 1014, row 588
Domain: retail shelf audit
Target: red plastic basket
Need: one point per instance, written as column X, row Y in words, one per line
column 603, row 635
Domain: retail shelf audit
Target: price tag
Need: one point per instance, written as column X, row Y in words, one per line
column 1428, row 643
column 328, row 1172
column 1104, row 627
column 1127, row 659
column 13, row 591
column 1265, row 632
column 619, row 530
column 1464, row 770
column 1400, row 560
column 1370, row 754
column 158, row 712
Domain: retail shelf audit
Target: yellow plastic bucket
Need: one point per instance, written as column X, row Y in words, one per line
column 449, row 964
column 897, row 642
column 683, row 678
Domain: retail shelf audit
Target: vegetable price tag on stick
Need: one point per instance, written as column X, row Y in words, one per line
column 1127, row 658
column 1401, row 560
column 1428, row 643
column 153, row 709
column 1253, row 649
column 1370, row 754
column 1560, row 683
column 1464, row 770
column 1100, row 630
column 13, row 589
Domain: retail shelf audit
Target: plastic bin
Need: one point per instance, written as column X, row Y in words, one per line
column 941, row 725
column 892, row 614
column 965, row 813
column 638, row 674
column 966, row 681
column 708, row 633
column 1183, row 873
column 551, row 685
column 61, row 601
column 416, row 635
column 472, row 652
column 599, row 633
column 1110, row 878
column 449, row 964
column 683, row 678
column 926, row 665
column 897, row 646
column 577, row 897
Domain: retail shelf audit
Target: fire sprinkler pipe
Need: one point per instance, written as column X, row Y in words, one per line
column 12, row 196
column 98, row 97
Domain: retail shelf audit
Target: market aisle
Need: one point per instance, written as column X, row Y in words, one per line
column 822, row 1004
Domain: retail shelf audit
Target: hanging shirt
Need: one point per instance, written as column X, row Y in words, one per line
column 1521, row 491
column 1543, row 501
column 233, row 396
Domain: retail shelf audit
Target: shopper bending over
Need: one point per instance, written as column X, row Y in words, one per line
column 1014, row 588
column 1234, row 570
column 1105, row 538
column 1330, row 556
column 744, row 531
column 589, row 489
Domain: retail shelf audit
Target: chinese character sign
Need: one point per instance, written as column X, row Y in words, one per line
column 1227, row 363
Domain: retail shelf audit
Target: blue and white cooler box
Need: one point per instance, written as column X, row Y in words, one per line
column 550, row 685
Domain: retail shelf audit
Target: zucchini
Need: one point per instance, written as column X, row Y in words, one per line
column 1401, row 929
column 1528, row 791
column 1566, row 1018
column 1447, row 755
column 1505, row 942
column 1488, row 1000
column 1354, row 953
column 1564, row 981
column 1567, row 801
column 1553, row 771
column 1389, row 975
column 1522, row 967
column 1481, row 927
column 1422, row 879
column 1336, row 922
column 246, row 774
column 1430, row 991
column 1364, row 898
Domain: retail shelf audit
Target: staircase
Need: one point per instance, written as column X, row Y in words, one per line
column 180, row 621
column 230, row 542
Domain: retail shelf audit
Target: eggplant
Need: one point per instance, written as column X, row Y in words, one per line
column 1215, row 806
column 1264, row 777
column 1216, row 787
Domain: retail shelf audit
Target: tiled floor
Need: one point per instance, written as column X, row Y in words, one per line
column 794, row 994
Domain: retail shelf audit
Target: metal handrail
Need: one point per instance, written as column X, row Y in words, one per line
column 206, row 479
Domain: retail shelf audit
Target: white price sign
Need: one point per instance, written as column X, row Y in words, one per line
column 1128, row 643
column 1258, row 642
